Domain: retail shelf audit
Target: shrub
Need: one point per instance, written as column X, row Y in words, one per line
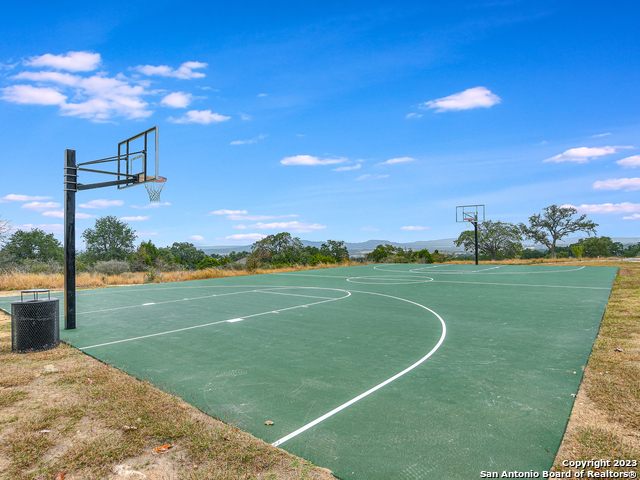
column 111, row 267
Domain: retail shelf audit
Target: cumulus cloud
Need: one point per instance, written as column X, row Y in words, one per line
column 55, row 228
column 145, row 234
column 203, row 117
column 309, row 160
column 584, row 154
column 630, row 162
column 100, row 97
column 471, row 98
column 184, row 71
column 177, row 100
column 369, row 176
column 413, row 228
column 344, row 169
column 195, row 237
column 252, row 140
column 40, row 206
column 27, row 94
column 625, row 207
column 393, row 161
column 102, row 203
column 72, row 61
column 626, row 184
column 252, row 237
column 139, row 218
column 152, row 205
column 21, row 198
column 295, row 227
column 228, row 212
column 635, row 216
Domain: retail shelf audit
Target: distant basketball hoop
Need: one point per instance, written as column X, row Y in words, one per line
column 471, row 214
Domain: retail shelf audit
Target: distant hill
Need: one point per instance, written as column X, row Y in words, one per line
column 445, row 244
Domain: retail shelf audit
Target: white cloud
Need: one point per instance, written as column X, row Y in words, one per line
column 583, row 154
column 245, row 116
column 26, row 94
column 195, row 237
column 21, row 198
column 72, row 61
column 228, row 212
column 145, row 234
column 258, row 217
column 54, row 214
column 203, row 117
column 253, row 237
column 139, row 218
column 370, row 229
column 397, row 160
column 344, row 169
column 240, row 227
column 601, row 135
column 309, row 160
column 152, row 205
column 471, row 98
column 624, row 207
column 253, row 140
column 55, row 228
column 184, row 72
column 83, row 216
column 296, row 227
column 102, row 204
column 40, row 206
column 177, row 100
column 413, row 228
column 628, row 184
column 630, row 162
column 262, row 95
column 414, row 115
column 101, row 97
column 635, row 216
column 368, row 176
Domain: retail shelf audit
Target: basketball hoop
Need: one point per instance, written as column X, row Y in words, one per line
column 154, row 188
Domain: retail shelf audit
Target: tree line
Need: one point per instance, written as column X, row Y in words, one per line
column 110, row 247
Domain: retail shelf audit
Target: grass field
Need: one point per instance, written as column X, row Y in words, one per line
column 604, row 422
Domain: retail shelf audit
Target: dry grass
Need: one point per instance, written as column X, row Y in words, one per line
column 23, row 281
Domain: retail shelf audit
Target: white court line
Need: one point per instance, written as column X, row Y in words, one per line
column 477, row 272
column 237, row 319
column 377, row 387
column 479, row 283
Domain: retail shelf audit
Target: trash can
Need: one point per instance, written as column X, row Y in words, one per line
column 35, row 324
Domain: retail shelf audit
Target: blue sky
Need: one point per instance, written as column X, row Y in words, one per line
column 330, row 120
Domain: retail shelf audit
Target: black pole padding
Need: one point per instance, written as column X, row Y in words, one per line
column 70, row 188
column 475, row 224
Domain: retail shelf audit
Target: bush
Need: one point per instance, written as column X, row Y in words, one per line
column 320, row 258
column 111, row 267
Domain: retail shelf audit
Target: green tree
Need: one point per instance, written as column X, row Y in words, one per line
column 494, row 239
column 208, row 262
column 597, row 246
column 554, row 224
column 381, row 252
column 34, row 245
column 335, row 250
column 185, row 253
column 110, row 239
column 578, row 251
column 422, row 255
column 280, row 249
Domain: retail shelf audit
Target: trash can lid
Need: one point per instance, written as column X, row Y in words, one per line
column 35, row 292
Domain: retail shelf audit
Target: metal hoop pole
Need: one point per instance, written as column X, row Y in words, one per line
column 70, row 188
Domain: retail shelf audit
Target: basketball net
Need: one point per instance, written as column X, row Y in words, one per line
column 155, row 188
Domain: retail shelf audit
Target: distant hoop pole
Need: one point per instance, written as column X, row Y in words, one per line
column 471, row 214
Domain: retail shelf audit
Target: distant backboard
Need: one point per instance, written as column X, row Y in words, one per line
column 138, row 156
column 470, row 213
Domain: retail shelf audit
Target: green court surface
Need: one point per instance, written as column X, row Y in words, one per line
column 375, row 372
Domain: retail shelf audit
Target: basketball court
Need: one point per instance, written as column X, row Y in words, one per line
column 385, row 371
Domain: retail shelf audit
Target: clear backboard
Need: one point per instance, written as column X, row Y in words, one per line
column 470, row 213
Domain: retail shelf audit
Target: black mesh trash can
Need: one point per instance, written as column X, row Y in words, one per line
column 35, row 324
